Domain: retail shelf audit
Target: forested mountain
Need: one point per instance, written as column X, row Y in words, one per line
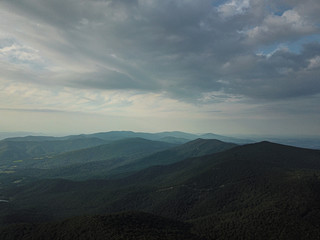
column 117, row 152
column 105, row 169
column 118, row 158
column 19, row 150
column 195, row 148
column 17, row 156
column 130, row 225
column 255, row 191
column 13, row 153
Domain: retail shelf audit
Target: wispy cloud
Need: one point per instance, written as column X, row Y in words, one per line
column 155, row 56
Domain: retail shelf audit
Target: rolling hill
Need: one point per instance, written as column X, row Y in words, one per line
column 20, row 150
column 254, row 191
column 116, row 153
column 104, row 161
column 172, row 137
column 195, row 148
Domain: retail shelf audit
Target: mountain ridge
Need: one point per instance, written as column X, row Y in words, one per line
column 194, row 148
column 117, row 135
column 119, row 150
column 106, row 167
column 255, row 191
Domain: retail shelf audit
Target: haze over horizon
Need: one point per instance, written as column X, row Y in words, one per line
column 226, row 67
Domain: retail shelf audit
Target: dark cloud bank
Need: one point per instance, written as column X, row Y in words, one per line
column 185, row 48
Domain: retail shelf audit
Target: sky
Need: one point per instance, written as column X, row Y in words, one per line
column 226, row 67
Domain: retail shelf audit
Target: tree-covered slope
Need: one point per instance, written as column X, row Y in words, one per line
column 256, row 191
column 195, row 148
column 130, row 225
column 106, row 168
column 15, row 150
column 117, row 151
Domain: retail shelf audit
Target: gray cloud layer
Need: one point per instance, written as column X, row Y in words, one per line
column 179, row 47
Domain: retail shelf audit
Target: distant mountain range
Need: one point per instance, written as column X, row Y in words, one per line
column 110, row 160
column 173, row 137
column 4, row 135
column 220, row 190
column 119, row 152
column 85, row 152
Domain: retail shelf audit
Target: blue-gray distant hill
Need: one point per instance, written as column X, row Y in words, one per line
column 114, row 153
column 121, row 158
column 172, row 137
column 30, row 147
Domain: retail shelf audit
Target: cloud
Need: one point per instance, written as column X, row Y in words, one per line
column 314, row 63
column 290, row 25
column 188, row 51
column 233, row 7
column 281, row 75
column 308, row 8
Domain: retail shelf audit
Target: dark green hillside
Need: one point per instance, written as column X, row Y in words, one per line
column 117, row 152
column 256, row 191
column 195, row 148
column 132, row 225
column 109, row 169
column 259, row 158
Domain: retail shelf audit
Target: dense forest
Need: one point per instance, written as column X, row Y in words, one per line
column 137, row 188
